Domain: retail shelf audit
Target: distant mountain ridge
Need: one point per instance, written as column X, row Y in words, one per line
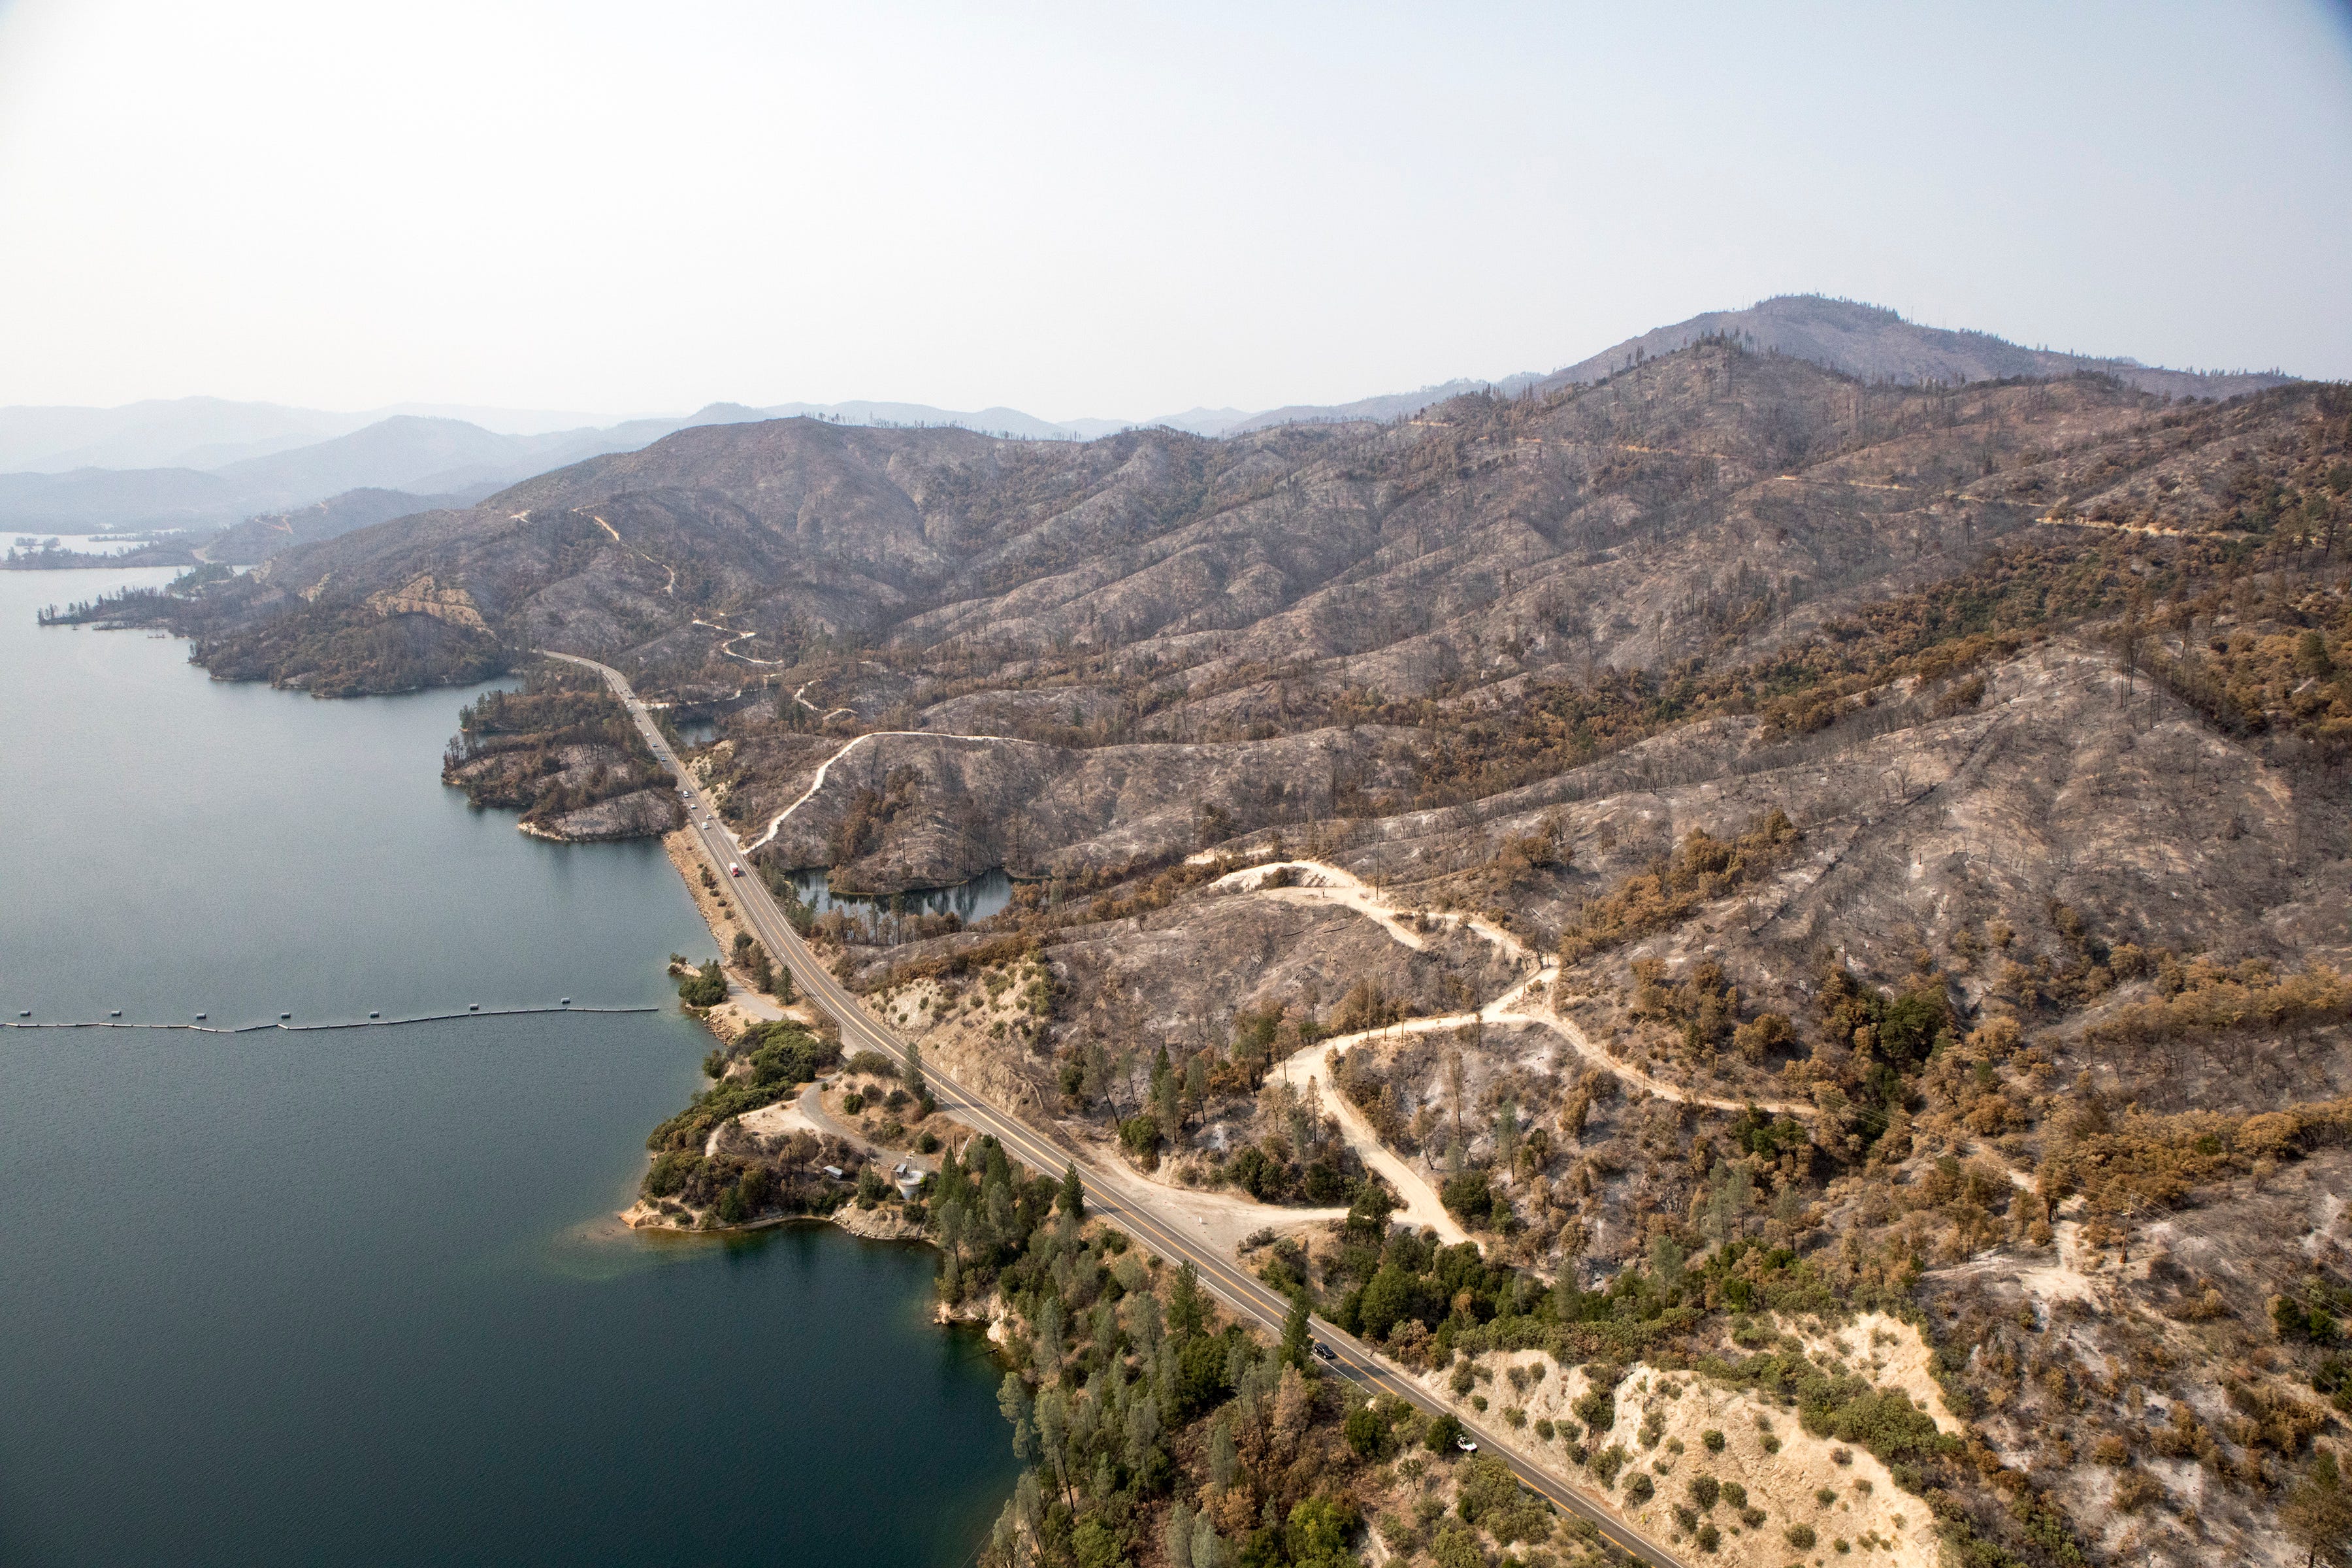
column 95, row 501
column 209, row 433
column 419, row 454
column 210, row 463
column 1870, row 343
column 1380, row 409
column 1875, row 343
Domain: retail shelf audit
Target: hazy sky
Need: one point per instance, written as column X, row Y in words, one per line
column 1127, row 211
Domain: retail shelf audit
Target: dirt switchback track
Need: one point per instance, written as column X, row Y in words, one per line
column 1131, row 1206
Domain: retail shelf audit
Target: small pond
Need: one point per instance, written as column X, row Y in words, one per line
column 977, row 900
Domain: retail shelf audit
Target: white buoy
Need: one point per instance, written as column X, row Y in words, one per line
column 567, row 1001
column 473, row 1006
column 283, row 1016
column 116, row 1014
column 375, row 1015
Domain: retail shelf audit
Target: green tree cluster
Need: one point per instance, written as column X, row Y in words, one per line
column 706, row 987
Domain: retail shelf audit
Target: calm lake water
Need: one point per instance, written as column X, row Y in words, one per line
column 985, row 895
column 355, row 1297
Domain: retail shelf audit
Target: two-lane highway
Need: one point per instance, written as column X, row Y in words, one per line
column 1131, row 1204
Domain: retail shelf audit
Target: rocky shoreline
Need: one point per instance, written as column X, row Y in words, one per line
column 885, row 1222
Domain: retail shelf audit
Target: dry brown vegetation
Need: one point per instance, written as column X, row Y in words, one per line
column 1937, row 798
column 1702, row 870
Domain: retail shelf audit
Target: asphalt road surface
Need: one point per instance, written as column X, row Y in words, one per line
column 1129, row 1204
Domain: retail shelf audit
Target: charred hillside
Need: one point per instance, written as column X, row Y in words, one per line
column 1609, row 524
column 1740, row 843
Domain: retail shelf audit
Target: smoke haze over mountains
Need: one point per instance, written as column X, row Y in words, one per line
column 1085, row 218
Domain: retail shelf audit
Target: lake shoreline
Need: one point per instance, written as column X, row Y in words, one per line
column 353, row 1296
column 888, row 1221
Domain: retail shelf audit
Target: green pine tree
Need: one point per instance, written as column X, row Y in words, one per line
column 1298, row 1338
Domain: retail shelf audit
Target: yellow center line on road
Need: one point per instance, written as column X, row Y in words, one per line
column 1109, row 1196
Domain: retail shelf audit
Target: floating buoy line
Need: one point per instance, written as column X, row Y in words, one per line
column 24, row 1020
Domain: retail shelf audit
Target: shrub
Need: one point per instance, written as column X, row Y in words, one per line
column 1702, row 870
column 1442, row 1434
column 1317, row 1533
column 1454, row 1545
column 1492, row 1498
column 671, row 1167
column 1597, row 1407
column 1704, row 1490
column 1608, row 1462
column 1638, row 1488
column 1708, row 1538
column 1470, row 1198
column 1801, row 1536
column 1366, row 1433
column 1712, row 1439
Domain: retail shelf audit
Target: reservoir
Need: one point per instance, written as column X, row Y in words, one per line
column 356, row 1296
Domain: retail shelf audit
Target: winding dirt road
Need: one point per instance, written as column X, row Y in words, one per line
column 1138, row 1208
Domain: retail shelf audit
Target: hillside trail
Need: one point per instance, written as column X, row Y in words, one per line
column 800, row 695
column 1343, row 888
column 670, row 589
column 726, row 647
column 2149, row 529
column 1422, row 1205
column 817, row 783
column 1312, row 1069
